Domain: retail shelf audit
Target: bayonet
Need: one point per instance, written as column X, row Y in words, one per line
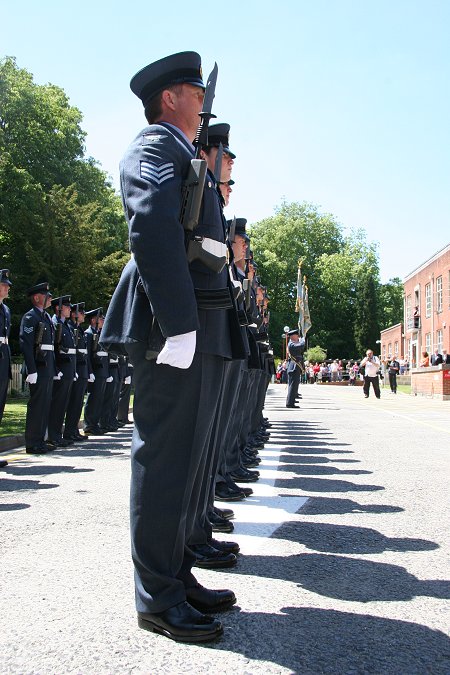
column 201, row 138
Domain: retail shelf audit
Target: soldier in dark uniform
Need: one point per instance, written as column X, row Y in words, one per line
column 66, row 358
column 176, row 395
column 37, row 346
column 108, row 415
column 126, row 371
column 83, row 369
column 296, row 347
column 99, row 360
column 5, row 327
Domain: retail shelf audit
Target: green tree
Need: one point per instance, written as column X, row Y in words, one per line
column 390, row 303
column 315, row 354
column 366, row 328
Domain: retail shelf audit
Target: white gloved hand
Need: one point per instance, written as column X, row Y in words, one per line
column 91, row 378
column 58, row 376
column 109, row 379
column 31, row 379
column 179, row 350
column 76, row 377
column 127, row 380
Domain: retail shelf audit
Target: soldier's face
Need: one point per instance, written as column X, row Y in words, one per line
column 239, row 248
column 65, row 311
column 188, row 105
column 4, row 291
column 226, row 192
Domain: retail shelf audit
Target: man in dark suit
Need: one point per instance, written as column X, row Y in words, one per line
column 296, row 347
column 5, row 327
column 177, row 393
column 445, row 357
column 436, row 358
column 36, row 338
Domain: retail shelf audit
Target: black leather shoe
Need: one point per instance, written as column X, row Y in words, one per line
column 228, row 546
column 3, row 463
column 210, row 558
column 219, row 524
column 36, row 450
column 206, row 600
column 63, row 443
column 244, row 476
column 225, row 494
column 182, row 623
column 228, row 514
column 249, row 463
column 293, row 406
column 233, row 486
column 93, row 431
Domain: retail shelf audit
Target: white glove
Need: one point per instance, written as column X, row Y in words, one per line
column 179, row 350
column 58, row 376
column 127, row 380
column 31, row 379
column 76, row 377
column 109, row 379
column 91, row 378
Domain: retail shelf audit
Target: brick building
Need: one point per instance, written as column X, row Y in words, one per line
column 427, row 307
column 392, row 342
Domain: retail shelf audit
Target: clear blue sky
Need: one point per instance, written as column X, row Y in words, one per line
column 343, row 103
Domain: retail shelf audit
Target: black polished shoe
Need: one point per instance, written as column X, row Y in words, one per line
column 3, row 463
column 206, row 600
column 245, row 476
column 93, row 431
column 233, row 486
column 36, row 450
column 219, row 524
column 225, row 494
column 293, row 406
column 63, row 443
column 210, row 558
column 228, row 514
column 249, row 463
column 228, row 546
column 182, row 623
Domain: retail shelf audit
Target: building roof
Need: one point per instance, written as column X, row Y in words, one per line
column 427, row 262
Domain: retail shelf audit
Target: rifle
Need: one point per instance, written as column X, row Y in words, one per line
column 208, row 251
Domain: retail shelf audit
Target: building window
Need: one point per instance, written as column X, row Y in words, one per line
column 389, row 350
column 428, row 342
column 408, row 307
column 439, row 294
column 428, row 300
column 440, row 340
column 395, row 348
column 384, row 353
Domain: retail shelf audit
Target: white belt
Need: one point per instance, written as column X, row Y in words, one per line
column 102, row 354
column 70, row 351
column 47, row 348
column 3, row 340
column 216, row 248
column 82, row 351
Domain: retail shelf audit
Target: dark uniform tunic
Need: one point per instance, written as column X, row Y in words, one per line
column 40, row 360
column 5, row 355
column 173, row 408
column 296, row 350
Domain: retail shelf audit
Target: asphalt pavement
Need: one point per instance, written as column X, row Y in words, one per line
column 345, row 551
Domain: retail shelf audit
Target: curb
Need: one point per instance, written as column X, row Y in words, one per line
column 11, row 442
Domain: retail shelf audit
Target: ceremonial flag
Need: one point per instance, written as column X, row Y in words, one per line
column 299, row 301
column 306, row 316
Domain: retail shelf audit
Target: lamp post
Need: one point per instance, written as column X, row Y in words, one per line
column 285, row 336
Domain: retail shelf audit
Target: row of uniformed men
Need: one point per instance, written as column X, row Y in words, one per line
column 62, row 362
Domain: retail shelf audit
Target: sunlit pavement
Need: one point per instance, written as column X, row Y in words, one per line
column 344, row 565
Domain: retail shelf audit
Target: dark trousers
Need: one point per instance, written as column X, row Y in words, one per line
column 233, row 444
column 38, row 409
column 375, row 384
column 173, row 414
column 75, row 406
column 124, row 403
column 58, row 407
column 293, row 382
column 393, row 381
column 3, row 392
column 108, row 416
column 94, row 402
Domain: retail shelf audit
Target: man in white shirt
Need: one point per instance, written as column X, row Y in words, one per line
column 371, row 366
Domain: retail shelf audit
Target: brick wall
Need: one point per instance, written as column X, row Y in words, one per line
column 433, row 382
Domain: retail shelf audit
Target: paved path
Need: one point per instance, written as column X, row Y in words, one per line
column 345, row 544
